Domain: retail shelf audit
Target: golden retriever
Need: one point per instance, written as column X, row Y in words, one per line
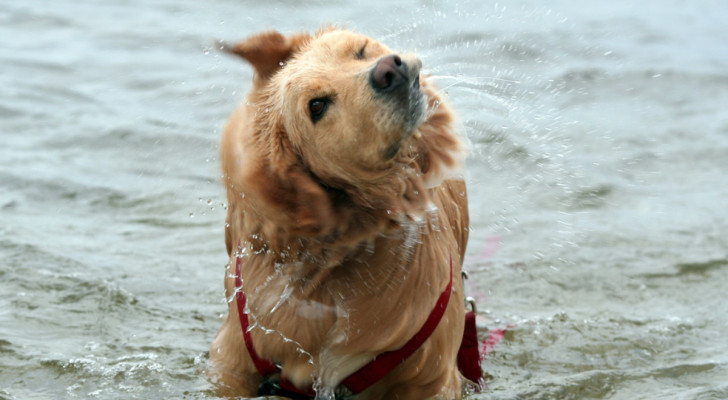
column 347, row 217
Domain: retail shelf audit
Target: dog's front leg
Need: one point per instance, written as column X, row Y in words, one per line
column 231, row 368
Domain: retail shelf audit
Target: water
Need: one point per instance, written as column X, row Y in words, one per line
column 597, row 185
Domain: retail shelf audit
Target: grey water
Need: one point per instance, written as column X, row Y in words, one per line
column 598, row 180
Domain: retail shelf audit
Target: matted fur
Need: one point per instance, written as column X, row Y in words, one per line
column 344, row 250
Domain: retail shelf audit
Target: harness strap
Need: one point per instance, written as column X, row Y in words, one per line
column 264, row 367
column 366, row 376
column 387, row 361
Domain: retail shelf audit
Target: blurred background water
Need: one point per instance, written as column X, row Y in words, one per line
column 597, row 187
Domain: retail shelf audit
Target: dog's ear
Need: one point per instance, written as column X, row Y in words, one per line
column 267, row 52
column 293, row 199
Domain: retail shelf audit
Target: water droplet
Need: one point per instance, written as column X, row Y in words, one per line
column 324, row 392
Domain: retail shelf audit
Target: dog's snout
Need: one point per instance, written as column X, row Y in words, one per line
column 389, row 73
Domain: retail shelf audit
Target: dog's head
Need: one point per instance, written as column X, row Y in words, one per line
column 345, row 101
column 340, row 111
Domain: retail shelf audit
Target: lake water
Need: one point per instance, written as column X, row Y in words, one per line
column 598, row 182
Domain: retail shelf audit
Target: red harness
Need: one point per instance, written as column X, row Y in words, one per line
column 381, row 365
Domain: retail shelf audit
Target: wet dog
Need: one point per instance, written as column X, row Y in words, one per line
column 346, row 226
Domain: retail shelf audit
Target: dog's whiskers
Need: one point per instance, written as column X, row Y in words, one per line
column 494, row 88
column 473, row 80
column 474, row 83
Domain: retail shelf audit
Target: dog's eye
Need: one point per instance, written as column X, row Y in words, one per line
column 318, row 108
column 360, row 53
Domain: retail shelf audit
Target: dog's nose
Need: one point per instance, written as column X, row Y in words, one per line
column 389, row 73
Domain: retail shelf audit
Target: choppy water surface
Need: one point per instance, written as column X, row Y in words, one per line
column 597, row 185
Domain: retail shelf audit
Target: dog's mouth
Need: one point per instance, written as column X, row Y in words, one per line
column 416, row 106
column 415, row 93
column 410, row 110
column 395, row 81
column 416, row 83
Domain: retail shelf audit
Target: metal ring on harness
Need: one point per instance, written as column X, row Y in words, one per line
column 471, row 301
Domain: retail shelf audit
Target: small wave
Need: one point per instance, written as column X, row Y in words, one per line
column 570, row 358
column 6, row 347
column 588, row 197
column 691, row 268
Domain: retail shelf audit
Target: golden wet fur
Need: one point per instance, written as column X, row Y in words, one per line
column 345, row 226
